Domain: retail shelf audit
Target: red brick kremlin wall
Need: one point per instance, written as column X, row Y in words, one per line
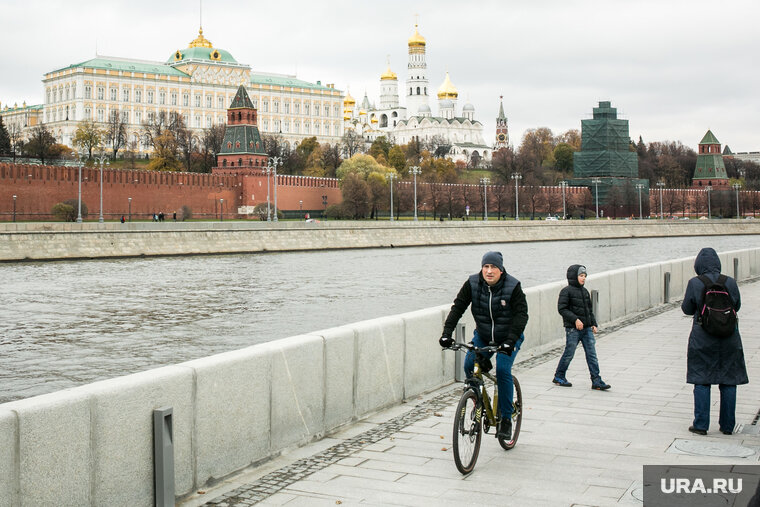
column 39, row 188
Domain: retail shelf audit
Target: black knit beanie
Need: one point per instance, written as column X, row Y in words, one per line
column 494, row 258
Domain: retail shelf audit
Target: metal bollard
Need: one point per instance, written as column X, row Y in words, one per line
column 736, row 269
column 595, row 302
column 459, row 358
column 163, row 457
column 666, row 288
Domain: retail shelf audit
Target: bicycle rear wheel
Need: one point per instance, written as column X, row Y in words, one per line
column 517, row 408
column 468, row 430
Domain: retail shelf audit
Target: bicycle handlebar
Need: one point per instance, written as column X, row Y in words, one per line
column 488, row 349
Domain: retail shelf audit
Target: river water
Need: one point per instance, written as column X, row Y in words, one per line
column 69, row 323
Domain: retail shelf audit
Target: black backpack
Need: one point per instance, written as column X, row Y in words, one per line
column 717, row 316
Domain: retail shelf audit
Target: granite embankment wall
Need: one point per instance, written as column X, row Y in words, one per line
column 49, row 241
column 93, row 445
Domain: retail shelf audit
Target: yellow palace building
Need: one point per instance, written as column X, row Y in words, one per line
column 197, row 82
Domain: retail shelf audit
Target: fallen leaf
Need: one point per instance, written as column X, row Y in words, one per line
column 201, row 492
column 441, row 437
column 437, row 414
column 338, row 502
column 444, row 449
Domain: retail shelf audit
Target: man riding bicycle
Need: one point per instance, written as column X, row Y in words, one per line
column 500, row 310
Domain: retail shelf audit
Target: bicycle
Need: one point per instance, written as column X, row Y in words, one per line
column 477, row 414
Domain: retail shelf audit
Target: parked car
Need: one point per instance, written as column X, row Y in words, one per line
column 551, row 218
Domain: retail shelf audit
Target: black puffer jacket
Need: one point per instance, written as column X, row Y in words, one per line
column 712, row 360
column 575, row 302
column 500, row 311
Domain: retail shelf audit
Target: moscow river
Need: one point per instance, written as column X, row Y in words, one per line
column 65, row 324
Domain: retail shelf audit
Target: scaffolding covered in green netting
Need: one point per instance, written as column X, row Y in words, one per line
column 605, row 147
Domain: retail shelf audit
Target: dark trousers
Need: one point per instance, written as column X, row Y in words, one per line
column 727, row 418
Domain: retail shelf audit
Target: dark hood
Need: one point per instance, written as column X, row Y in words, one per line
column 707, row 261
column 572, row 275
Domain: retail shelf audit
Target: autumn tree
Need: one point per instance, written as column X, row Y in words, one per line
column 380, row 147
column 352, row 143
column 356, row 196
column 5, row 140
column 563, row 157
column 88, row 136
column 397, row 159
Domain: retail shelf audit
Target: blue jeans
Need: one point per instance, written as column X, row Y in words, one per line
column 503, row 372
column 727, row 419
column 588, row 342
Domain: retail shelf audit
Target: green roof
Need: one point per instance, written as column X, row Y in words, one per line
column 710, row 167
column 241, row 100
column 201, row 53
column 287, row 81
column 248, row 137
column 709, row 139
column 36, row 107
column 127, row 66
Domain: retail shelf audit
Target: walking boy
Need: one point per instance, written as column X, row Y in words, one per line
column 574, row 305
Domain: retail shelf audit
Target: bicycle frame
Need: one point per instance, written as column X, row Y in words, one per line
column 479, row 387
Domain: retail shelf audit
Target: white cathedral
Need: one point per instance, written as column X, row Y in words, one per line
column 416, row 121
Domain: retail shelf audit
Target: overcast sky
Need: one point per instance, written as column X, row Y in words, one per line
column 673, row 68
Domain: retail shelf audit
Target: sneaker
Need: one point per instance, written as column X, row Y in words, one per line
column 600, row 385
column 562, row 382
column 697, row 431
column 727, row 432
column 505, row 430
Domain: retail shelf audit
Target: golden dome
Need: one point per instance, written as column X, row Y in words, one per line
column 362, row 112
column 346, row 117
column 388, row 75
column 349, row 100
column 374, row 119
column 416, row 39
column 200, row 41
column 447, row 89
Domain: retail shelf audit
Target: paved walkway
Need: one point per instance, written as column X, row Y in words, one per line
column 576, row 447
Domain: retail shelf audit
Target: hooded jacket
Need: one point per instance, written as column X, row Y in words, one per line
column 712, row 360
column 575, row 301
column 500, row 311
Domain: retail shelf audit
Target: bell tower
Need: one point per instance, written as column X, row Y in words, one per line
column 502, row 130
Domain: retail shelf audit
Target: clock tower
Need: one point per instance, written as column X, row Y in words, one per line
column 502, row 131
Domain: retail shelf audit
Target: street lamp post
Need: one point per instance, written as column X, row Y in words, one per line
column 563, row 184
column 517, row 177
column 390, row 177
column 424, row 211
column 639, row 186
column 737, row 187
column 268, row 170
column 596, row 182
column 79, row 198
column 272, row 163
column 14, row 207
column 708, row 189
column 129, row 199
column 661, row 184
column 485, row 182
column 221, row 210
column 415, row 170
column 102, row 158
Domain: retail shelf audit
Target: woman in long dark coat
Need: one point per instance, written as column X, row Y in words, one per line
column 712, row 360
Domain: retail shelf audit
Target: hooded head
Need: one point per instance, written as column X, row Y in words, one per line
column 493, row 258
column 707, row 261
column 573, row 272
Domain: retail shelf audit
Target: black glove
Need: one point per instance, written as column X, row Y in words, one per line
column 506, row 348
column 446, row 341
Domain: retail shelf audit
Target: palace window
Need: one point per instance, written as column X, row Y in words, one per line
column 125, row 116
column 297, row 107
column 208, row 122
column 113, row 93
column 162, row 98
column 197, row 121
column 276, row 106
column 327, row 110
column 197, row 101
column 316, row 128
column 138, row 117
column 306, row 109
column 220, row 102
column 316, row 109
column 255, row 103
column 67, row 93
column 100, row 115
column 88, row 113
column 150, row 96
column 138, row 95
column 208, row 101
column 174, row 98
column 296, row 126
column 151, row 116
column 125, row 95
column 306, row 128
column 265, row 106
column 286, row 126
column 185, row 99
column 100, row 92
column 336, row 110
column 73, row 91
column 286, row 105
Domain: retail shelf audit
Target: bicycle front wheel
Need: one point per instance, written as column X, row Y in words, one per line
column 517, row 409
column 468, row 430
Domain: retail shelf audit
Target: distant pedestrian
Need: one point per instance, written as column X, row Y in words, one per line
column 711, row 359
column 122, row 219
column 574, row 304
column 174, row 216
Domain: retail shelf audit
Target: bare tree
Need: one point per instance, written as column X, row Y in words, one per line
column 16, row 139
column 115, row 132
column 211, row 146
column 352, row 143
